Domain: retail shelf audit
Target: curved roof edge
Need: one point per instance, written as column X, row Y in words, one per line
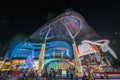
column 86, row 31
column 66, row 13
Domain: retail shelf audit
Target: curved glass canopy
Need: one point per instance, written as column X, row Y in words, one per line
column 67, row 25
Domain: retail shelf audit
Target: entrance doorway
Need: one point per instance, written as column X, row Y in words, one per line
column 58, row 68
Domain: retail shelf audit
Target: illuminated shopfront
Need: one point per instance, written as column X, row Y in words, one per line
column 89, row 55
column 54, row 50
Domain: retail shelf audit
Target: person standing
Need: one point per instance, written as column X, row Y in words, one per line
column 84, row 76
column 67, row 70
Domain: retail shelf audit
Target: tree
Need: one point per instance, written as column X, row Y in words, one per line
column 8, row 47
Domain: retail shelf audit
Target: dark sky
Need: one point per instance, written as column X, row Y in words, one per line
column 27, row 17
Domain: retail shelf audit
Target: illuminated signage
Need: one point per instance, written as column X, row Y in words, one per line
column 85, row 49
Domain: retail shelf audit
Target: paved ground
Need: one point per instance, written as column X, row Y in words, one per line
column 117, row 78
column 114, row 77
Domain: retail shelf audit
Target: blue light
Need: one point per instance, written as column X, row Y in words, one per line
column 22, row 51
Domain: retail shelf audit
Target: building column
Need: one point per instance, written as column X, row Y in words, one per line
column 41, row 59
column 77, row 60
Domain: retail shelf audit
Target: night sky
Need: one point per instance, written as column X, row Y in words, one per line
column 27, row 17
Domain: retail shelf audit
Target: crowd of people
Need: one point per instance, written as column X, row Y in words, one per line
column 18, row 75
column 28, row 74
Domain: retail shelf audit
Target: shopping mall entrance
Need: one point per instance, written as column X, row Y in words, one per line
column 58, row 68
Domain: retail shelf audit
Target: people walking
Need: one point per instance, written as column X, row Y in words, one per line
column 84, row 76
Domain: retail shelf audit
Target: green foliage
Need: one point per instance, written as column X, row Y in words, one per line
column 50, row 15
column 69, row 40
column 9, row 45
column 58, row 36
column 115, row 45
column 40, row 38
column 116, row 63
column 4, row 49
column 18, row 38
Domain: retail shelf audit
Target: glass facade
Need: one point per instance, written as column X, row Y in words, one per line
column 53, row 49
